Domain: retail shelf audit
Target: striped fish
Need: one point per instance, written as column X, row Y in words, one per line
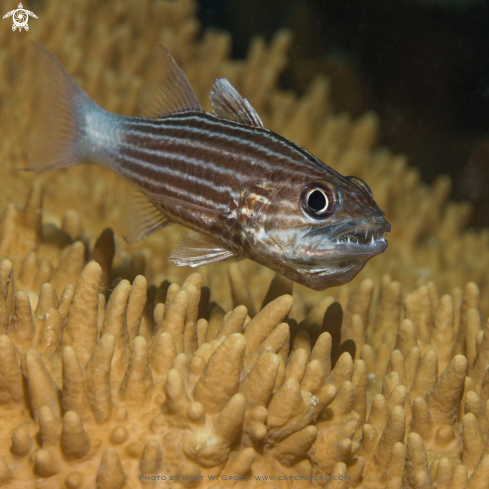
column 241, row 189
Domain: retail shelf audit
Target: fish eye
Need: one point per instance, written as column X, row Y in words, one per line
column 317, row 200
column 361, row 184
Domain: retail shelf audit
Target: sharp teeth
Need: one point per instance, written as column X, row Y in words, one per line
column 357, row 238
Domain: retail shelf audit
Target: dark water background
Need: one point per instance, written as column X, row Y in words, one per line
column 422, row 65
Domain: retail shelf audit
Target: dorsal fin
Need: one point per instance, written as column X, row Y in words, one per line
column 228, row 103
column 167, row 89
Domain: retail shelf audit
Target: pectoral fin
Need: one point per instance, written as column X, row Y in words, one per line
column 140, row 217
column 195, row 249
column 143, row 214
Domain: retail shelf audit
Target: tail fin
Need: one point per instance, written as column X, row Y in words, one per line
column 58, row 104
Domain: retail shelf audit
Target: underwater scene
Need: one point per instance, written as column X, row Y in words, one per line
column 273, row 269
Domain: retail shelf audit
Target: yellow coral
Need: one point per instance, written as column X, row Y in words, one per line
column 104, row 380
column 97, row 46
column 143, row 388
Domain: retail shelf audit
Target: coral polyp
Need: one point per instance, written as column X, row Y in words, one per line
column 117, row 370
column 167, row 389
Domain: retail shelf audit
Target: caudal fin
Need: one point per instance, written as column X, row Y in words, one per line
column 58, row 105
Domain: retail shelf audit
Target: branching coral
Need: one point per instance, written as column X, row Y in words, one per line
column 104, row 379
column 166, row 389
column 98, row 46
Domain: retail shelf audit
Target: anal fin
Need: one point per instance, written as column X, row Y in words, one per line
column 140, row 217
column 195, row 249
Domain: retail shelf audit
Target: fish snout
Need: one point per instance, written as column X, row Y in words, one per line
column 381, row 225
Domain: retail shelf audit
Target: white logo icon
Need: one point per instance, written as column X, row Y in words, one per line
column 20, row 17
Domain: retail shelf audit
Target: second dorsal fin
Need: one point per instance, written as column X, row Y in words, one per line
column 167, row 89
column 228, row 103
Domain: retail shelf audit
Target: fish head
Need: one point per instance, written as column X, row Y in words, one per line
column 321, row 232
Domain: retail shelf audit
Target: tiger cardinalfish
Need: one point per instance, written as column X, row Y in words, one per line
column 241, row 189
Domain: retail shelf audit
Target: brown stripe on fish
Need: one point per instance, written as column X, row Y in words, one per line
column 238, row 139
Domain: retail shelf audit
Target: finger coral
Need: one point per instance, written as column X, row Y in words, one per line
column 428, row 239
column 126, row 387
column 211, row 380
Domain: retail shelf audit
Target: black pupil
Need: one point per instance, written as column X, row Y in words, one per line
column 316, row 201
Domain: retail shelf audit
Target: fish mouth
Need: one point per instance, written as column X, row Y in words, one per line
column 364, row 236
column 356, row 236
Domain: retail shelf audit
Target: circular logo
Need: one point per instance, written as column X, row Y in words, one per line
column 20, row 17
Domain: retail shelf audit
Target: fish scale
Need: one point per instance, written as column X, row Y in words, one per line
column 241, row 189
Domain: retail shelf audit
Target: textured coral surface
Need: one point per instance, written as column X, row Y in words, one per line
column 162, row 383
column 115, row 365
column 108, row 49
